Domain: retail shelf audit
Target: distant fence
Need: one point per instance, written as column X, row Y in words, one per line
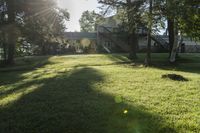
column 80, row 35
column 192, row 48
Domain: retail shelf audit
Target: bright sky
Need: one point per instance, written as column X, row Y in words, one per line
column 76, row 8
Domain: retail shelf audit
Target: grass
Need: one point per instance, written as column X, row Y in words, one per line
column 99, row 94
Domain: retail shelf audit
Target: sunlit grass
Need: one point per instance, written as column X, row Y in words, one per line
column 17, row 95
column 99, row 94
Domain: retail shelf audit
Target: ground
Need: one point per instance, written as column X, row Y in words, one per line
column 100, row 94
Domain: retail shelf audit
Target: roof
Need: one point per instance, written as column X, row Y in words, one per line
column 80, row 35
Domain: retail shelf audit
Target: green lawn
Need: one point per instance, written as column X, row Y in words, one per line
column 99, row 94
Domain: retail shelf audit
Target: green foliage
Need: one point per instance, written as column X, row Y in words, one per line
column 185, row 12
column 189, row 19
column 44, row 25
column 41, row 23
column 89, row 20
column 131, row 14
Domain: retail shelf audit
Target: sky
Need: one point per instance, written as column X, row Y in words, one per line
column 76, row 8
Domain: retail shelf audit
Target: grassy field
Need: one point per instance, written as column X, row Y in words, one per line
column 99, row 94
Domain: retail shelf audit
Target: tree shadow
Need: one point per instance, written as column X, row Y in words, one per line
column 181, row 67
column 26, row 63
column 13, row 74
column 70, row 103
column 183, row 64
column 119, row 57
column 10, row 78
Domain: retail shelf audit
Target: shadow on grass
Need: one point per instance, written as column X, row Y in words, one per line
column 185, row 62
column 182, row 67
column 108, row 64
column 12, row 74
column 118, row 57
column 70, row 103
column 27, row 63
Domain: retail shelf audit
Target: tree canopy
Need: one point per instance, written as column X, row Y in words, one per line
column 89, row 20
column 182, row 16
column 40, row 22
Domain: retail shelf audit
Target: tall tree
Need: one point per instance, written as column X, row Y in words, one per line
column 27, row 14
column 11, row 32
column 189, row 18
column 89, row 20
column 182, row 17
column 42, row 32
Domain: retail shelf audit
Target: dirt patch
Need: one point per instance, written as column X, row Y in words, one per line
column 174, row 77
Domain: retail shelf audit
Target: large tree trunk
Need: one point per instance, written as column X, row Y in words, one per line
column 43, row 52
column 4, row 52
column 170, row 23
column 12, row 39
column 44, row 48
column 133, row 38
column 11, row 31
column 133, row 41
column 148, row 57
column 175, row 45
column 3, row 41
column 11, row 53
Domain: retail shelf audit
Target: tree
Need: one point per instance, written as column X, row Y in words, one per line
column 182, row 17
column 43, row 32
column 3, row 10
column 11, row 30
column 189, row 18
column 25, row 15
column 89, row 20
